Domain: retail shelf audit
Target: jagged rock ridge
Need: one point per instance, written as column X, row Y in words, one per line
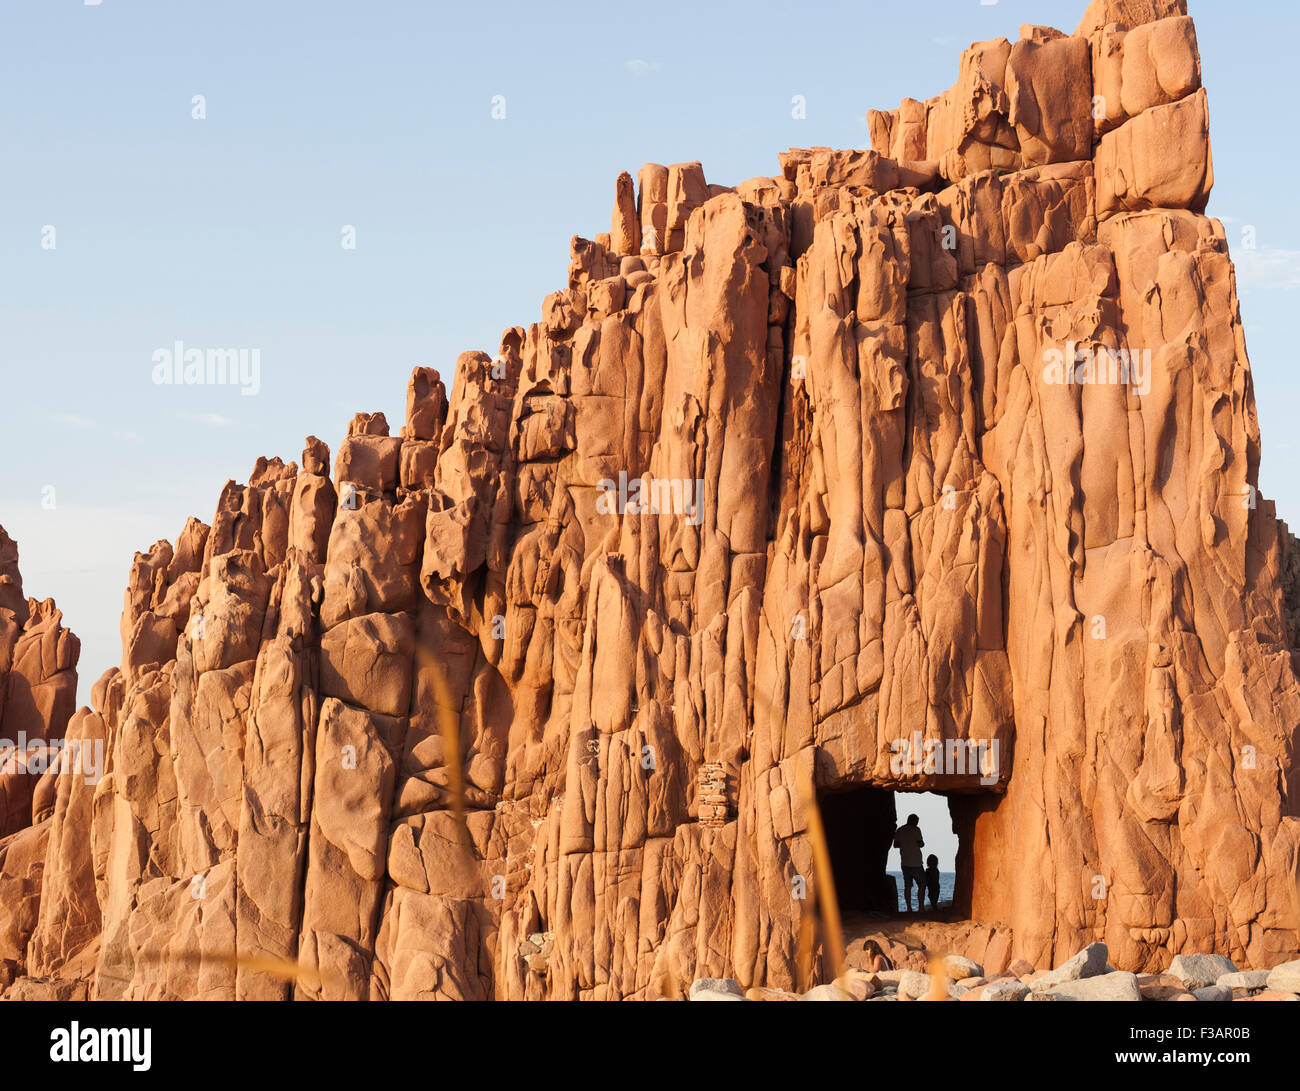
column 38, row 690
column 956, row 436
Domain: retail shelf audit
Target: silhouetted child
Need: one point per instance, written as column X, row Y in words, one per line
column 932, row 879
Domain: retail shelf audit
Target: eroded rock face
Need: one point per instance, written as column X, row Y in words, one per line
column 952, row 440
column 38, row 689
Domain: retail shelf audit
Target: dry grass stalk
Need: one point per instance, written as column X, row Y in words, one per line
column 449, row 729
column 310, row 977
column 670, row 988
column 938, row 979
column 832, row 932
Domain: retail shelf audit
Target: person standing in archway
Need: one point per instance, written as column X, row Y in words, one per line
column 908, row 841
column 932, row 880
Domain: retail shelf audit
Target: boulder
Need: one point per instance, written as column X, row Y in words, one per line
column 1004, row 990
column 1213, row 993
column 1197, row 971
column 1117, row 985
column 1090, row 962
column 913, row 985
column 1285, row 977
column 959, row 967
column 827, row 992
column 1244, row 979
column 1162, row 987
column 716, row 988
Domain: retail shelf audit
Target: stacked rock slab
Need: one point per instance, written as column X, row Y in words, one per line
column 785, row 475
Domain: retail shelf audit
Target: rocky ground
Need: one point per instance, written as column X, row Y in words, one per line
column 1086, row 976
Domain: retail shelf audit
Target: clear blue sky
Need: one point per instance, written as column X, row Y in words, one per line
column 225, row 232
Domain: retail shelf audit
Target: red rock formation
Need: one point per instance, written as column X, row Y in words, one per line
column 955, row 438
column 38, row 687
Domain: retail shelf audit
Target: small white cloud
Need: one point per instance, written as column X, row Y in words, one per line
column 641, row 68
column 72, row 420
column 126, row 436
column 1270, row 267
column 215, row 420
column 948, row 40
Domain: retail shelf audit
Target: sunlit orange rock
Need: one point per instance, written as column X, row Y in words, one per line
column 950, row 443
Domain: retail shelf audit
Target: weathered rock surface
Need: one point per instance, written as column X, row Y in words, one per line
column 960, row 968
column 1090, row 962
column 1004, row 991
column 1198, row 971
column 1246, row 979
column 1285, row 978
column 38, row 686
column 1163, row 987
column 716, row 988
column 1118, row 985
column 914, row 986
column 827, row 993
column 1213, row 993
column 952, row 440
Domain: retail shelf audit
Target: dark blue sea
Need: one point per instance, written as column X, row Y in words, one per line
column 947, row 881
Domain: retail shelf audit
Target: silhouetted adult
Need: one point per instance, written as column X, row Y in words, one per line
column 908, row 841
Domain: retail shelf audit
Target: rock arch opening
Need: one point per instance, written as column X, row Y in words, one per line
column 860, row 822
